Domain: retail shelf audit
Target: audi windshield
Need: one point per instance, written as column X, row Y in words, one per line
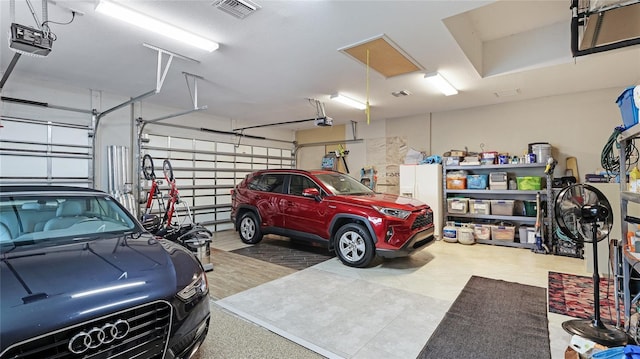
column 53, row 219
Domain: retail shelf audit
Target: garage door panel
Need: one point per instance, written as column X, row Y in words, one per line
column 181, row 143
column 225, row 147
column 205, row 157
column 157, row 156
column 70, row 136
column 224, row 199
column 274, row 152
column 24, row 132
column 44, row 152
column 205, row 146
column 204, row 192
column 244, row 149
column 204, row 200
column 203, row 182
column 223, row 216
column 70, row 167
column 216, row 166
column 226, row 181
column 260, row 151
column 23, row 166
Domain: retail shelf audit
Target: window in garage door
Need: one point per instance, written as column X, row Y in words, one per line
column 45, row 152
column 206, row 171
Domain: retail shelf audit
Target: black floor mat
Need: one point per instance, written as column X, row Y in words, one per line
column 286, row 252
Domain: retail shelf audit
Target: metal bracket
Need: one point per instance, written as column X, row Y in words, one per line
column 162, row 74
column 194, row 94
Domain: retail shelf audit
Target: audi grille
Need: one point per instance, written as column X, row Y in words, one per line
column 126, row 334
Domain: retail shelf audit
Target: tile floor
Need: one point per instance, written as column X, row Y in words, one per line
column 361, row 305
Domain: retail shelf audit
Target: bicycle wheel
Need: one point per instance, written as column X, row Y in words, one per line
column 147, row 168
column 168, row 170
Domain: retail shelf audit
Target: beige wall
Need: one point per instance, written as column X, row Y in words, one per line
column 320, row 141
column 575, row 125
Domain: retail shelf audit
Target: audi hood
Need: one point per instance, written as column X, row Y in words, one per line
column 48, row 287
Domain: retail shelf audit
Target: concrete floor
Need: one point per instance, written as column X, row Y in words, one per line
column 302, row 315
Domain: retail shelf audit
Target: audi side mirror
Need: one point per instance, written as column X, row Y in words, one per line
column 311, row 192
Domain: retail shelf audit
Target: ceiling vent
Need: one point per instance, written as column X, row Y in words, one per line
column 401, row 93
column 237, row 8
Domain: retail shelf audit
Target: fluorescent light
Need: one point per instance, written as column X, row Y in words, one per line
column 441, row 83
column 135, row 18
column 348, row 101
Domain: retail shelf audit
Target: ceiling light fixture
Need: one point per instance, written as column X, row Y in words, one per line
column 348, row 101
column 441, row 83
column 135, row 18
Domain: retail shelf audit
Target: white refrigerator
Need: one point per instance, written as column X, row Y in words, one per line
column 424, row 182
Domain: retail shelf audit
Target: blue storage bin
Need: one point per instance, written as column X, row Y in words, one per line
column 628, row 108
column 477, row 181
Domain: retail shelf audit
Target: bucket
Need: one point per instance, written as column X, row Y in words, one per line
column 465, row 235
column 450, row 233
column 542, row 151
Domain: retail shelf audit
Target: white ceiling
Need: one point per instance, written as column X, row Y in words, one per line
column 269, row 63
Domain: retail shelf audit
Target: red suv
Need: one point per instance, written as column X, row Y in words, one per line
column 333, row 209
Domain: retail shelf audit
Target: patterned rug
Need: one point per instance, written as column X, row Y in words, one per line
column 572, row 295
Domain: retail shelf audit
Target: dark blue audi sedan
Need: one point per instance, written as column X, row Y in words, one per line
column 80, row 277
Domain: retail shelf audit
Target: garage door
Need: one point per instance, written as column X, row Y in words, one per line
column 44, row 152
column 206, row 171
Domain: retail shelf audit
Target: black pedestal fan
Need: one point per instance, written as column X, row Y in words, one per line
column 584, row 214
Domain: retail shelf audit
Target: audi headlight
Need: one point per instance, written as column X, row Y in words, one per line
column 198, row 287
column 393, row 212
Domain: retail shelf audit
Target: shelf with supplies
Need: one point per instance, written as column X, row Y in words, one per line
column 627, row 260
column 502, row 197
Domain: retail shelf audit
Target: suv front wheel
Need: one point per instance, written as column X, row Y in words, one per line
column 354, row 246
column 249, row 228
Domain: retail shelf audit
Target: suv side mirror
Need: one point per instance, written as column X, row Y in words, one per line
column 311, row 192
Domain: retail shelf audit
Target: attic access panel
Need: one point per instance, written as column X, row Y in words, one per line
column 385, row 56
column 602, row 28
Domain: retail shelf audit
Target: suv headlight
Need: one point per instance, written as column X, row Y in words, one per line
column 198, row 287
column 393, row 212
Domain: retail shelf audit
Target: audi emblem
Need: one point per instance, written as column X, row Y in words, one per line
column 96, row 337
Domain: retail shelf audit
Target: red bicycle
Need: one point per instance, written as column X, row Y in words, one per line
column 185, row 232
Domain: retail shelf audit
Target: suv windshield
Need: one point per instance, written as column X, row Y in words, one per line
column 52, row 218
column 339, row 183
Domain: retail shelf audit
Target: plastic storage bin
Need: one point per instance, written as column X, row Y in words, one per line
column 457, row 180
column 530, row 208
column 477, row 181
column 498, row 180
column 628, row 108
column 479, row 206
column 482, row 231
column 502, row 207
column 530, row 183
column 503, row 233
column 527, row 234
column 457, row 205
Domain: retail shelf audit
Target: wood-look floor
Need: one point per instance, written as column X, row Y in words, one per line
column 233, row 273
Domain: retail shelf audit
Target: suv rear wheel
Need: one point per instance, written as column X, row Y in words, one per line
column 250, row 228
column 354, row 246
